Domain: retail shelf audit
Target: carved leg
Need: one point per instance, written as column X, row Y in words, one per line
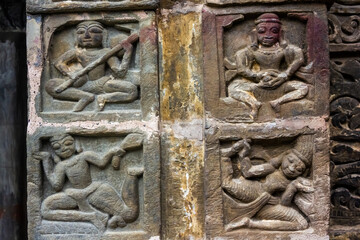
column 240, row 90
column 117, row 91
column 70, row 94
column 278, row 217
column 123, row 209
column 297, row 90
column 60, row 207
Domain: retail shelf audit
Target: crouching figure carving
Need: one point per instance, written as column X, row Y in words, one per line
column 86, row 200
column 270, row 196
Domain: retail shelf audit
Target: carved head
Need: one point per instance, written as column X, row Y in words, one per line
column 298, row 159
column 268, row 28
column 293, row 165
column 90, row 34
column 63, row 145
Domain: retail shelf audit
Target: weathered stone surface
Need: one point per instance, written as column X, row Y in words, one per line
column 267, row 169
column 55, row 6
column 93, row 135
column 248, row 2
column 181, row 114
column 77, row 191
column 230, row 209
column 344, row 37
column 235, row 85
column 79, row 83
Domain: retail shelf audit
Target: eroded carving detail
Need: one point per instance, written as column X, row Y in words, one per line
column 344, row 36
column 272, row 195
column 266, row 68
column 78, row 197
column 84, row 70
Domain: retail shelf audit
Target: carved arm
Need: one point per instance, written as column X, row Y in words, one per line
column 55, row 174
column 294, row 58
column 101, row 162
column 244, row 61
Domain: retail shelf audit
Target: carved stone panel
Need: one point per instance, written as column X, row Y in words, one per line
column 98, row 66
column 266, row 184
column 93, row 185
column 266, row 65
column 344, row 37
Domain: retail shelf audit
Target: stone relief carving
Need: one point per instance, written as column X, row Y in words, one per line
column 92, row 72
column 344, row 37
column 78, row 197
column 273, row 195
column 267, row 64
column 84, row 73
column 98, row 66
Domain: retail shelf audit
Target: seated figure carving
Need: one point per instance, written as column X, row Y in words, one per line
column 84, row 68
column 86, row 200
column 268, row 64
column 264, row 194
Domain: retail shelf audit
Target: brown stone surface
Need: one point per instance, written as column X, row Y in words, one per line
column 181, row 111
column 56, row 6
column 233, row 29
column 267, row 140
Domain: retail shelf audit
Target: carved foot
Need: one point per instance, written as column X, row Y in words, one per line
column 135, row 171
column 244, row 222
column 116, row 221
column 100, row 103
column 255, row 109
column 99, row 220
column 83, row 103
column 275, row 105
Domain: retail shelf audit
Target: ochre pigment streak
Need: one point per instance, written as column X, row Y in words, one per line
column 181, row 111
column 181, row 51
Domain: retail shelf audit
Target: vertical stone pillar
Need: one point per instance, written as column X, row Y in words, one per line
column 182, row 113
column 93, row 149
column 266, row 88
column 344, row 37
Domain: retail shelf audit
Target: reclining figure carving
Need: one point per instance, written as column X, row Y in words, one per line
column 255, row 194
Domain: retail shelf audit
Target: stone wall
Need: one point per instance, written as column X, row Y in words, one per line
column 192, row 119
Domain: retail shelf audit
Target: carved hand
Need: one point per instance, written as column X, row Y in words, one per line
column 41, row 155
column 127, row 46
column 303, row 185
column 243, row 146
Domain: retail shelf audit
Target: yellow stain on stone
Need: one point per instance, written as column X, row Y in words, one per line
column 185, row 179
column 181, row 69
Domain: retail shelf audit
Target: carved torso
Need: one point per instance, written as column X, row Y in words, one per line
column 269, row 58
column 85, row 57
column 77, row 170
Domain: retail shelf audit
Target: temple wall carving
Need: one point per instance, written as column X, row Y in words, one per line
column 233, row 119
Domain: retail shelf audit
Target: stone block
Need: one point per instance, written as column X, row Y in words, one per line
column 267, row 181
column 93, row 66
column 249, row 77
column 86, row 184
